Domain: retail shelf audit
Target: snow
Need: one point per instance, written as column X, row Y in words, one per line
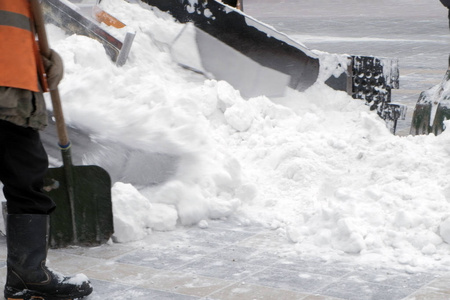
column 317, row 167
column 132, row 224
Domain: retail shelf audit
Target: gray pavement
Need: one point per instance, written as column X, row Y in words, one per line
column 232, row 261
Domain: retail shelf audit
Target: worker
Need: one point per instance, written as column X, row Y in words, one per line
column 446, row 3
column 24, row 76
column 234, row 3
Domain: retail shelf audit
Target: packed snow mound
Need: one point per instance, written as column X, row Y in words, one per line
column 317, row 167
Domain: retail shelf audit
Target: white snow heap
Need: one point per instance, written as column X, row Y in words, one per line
column 318, row 167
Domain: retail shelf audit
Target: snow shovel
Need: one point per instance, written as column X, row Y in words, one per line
column 82, row 193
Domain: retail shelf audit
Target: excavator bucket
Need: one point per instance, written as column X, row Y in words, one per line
column 246, row 37
column 246, row 75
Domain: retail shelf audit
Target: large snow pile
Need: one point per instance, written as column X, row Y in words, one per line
column 318, row 167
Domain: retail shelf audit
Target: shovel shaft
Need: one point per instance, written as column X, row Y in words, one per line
column 68, row 172
column 61, row 128
column 40, row 28
column 45, row 50
column 63, row 138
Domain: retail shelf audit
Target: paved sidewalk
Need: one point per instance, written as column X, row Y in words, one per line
column 228, row 261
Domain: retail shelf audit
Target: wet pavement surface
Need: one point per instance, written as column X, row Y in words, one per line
column 231, row 261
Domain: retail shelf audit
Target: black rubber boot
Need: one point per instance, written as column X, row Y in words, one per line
column 27, row 276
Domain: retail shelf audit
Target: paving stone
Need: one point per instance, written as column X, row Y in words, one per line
column 244, row 291
column 223, row 236
column 106, row 290
column 321, row 297
column 106, row 251
column 184, row 283
column 290, row 280
column 113, row 272
column 163, row 258
column 441, row 284
column 428, row 294
column 218, row 268
column 248, row 255
column 392, row 277
column 357, row 289
column 315, row 265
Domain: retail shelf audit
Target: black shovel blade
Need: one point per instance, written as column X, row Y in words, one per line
column 88, row 194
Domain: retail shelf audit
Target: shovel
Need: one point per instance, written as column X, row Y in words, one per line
column 82, row 193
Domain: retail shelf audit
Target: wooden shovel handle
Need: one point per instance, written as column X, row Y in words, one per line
column 54, row 94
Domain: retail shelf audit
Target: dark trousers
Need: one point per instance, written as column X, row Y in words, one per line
column 449, row 28
column 23, row 164
column 231, row 2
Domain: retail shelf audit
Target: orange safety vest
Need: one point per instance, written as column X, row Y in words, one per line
column 20, row 62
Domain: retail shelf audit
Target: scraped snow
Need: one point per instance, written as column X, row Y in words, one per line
column 317, row 167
